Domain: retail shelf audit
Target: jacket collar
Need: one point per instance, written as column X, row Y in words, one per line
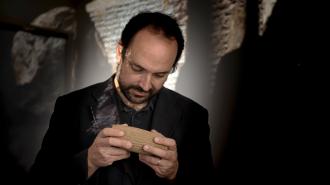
column 98, row 91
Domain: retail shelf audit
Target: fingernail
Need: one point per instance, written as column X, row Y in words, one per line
column 121, row 133
column 145, row 147
column 156, row 139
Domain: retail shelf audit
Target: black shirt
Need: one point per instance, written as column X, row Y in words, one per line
column 140, row 119
column 134, row 168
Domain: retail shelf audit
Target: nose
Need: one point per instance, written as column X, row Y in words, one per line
column 145, row 82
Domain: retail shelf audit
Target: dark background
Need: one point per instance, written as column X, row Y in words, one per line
column 266, row 112
column 277, row 129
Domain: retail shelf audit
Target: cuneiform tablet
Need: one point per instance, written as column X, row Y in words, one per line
column 139, row 138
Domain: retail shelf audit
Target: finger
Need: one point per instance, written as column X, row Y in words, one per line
column 125, row 124
column 111, row 132
column 161, row 167
column 170, row 143
column 114, row 151
column 145, row 161
column 114, row 142
column 150, row 160
column 156, row 151
column 120, row 143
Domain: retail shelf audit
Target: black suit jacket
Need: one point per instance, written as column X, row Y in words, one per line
column 62, row 158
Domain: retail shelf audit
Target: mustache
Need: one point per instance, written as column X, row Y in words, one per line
column 138, row 88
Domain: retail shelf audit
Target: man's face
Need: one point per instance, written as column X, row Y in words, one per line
column 148, row 61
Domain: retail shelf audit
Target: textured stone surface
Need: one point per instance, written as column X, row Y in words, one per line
column 229, row 26
column 39, row 65
column 30, row 52
column 229, row 23
column 265, row 8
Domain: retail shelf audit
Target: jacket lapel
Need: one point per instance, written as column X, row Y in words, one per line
column 167, row 113
column 87, row 112
column 96, row 94
column 110, row 174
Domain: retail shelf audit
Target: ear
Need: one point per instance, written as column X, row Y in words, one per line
column 119, row 50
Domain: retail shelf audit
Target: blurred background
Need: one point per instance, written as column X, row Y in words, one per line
column 258, row 66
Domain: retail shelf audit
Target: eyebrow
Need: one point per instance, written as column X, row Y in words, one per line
column 137, row 65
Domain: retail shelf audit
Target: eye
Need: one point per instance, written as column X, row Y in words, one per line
column 160, row 75
column 136, row 68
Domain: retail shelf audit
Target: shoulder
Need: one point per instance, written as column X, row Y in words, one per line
column 181, row 101
column 84, row 95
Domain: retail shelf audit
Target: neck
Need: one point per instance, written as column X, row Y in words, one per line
column 128, row 103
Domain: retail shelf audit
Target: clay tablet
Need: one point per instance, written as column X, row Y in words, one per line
column 139, row 138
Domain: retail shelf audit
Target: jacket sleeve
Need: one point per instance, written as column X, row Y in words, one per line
column 59, row 160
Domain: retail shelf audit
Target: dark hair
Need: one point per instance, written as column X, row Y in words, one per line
column 157, row 21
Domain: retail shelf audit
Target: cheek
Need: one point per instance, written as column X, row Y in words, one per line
column 125, row 77
column 128, row 80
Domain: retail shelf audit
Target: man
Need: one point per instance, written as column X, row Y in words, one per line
column 81, row 147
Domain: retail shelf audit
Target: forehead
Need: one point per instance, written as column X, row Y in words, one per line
column 152, row 50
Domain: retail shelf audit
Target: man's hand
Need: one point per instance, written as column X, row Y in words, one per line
column 163, row 162
column 106, row 149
